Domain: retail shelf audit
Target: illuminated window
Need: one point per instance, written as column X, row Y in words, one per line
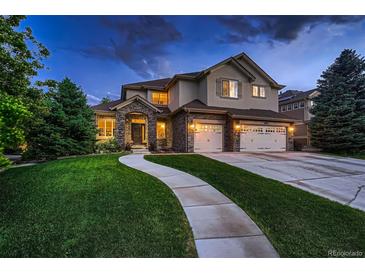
column 230, row 88
column 258, row 91
column 159, row 98
column 106, row 126
column 161, row 130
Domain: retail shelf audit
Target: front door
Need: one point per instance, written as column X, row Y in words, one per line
column 137, row 133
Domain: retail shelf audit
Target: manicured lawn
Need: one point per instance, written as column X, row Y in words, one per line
column 298, row 224
column 89, row 207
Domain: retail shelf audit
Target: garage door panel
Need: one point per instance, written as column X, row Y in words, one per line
column 263, row 138
column 208, row 138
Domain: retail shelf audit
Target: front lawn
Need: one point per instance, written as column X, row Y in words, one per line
column 89, row 207
column 298, row 223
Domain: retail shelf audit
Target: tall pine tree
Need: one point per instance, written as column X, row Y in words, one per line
column 339, row 111
column 68, row 126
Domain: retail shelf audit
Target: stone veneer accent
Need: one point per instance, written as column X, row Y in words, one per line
column 167, row 142
column 122, row 131
column 179, row 127
column 232, row 137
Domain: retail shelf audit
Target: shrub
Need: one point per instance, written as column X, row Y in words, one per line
column 108, row 146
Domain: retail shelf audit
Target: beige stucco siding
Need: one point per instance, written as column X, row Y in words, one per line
column 130, row 93
column 202, row 90
column 246, row 101
column 188, row 91
column 174, row 97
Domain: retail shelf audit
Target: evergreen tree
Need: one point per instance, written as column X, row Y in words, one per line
column 67, row 127
column 339, row 121
column 105, row 100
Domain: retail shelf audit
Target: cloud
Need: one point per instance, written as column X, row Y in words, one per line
column 92, row 100
column 139, row 42
column 275, row 28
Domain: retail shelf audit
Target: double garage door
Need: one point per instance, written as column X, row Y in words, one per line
column 209, row 138
column 263, row 138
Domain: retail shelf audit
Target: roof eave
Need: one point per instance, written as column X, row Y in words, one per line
column 258, row 118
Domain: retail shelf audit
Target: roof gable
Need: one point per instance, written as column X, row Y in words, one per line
column 134, row 99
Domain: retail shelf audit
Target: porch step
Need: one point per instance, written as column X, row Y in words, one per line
column 140, row 151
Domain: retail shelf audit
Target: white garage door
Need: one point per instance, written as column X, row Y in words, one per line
column 208, row 138
column 263, row 138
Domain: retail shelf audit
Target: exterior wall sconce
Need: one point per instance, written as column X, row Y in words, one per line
column 291, row 131
column 192, row 126
column 238, row 127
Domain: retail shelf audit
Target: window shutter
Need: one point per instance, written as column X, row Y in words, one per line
column 219, row 87
column 239, row 92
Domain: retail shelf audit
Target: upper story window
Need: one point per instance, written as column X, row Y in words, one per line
column 159, row 98
column 258, row 91
column 106, row 126
column 295, row 106
column 283, row 108
column 301, row 104
column 230, row 88
column 289, row 107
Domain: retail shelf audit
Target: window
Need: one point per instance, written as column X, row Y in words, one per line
column 159, row 98
column 230, row 88
column 106, row 126
column 301, row 104
column 311, row 103
column 295, row 106
column 289, row 107
column 283, row 108
column 161, row 130
column 258, row 91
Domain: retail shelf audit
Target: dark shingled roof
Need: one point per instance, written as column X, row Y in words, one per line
column 258, row 113
column 153, row 83
column 106, row 106
column 294, row 95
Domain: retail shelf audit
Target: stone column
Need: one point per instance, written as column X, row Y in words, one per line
column 120, row 134
column 152, row 144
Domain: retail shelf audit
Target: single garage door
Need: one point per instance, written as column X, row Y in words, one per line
column 263, row 138
column 208, row 138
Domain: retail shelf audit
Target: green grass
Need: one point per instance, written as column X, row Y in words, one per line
column 89, row 207
column 298, row 223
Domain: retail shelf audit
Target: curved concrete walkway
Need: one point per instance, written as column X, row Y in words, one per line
column 220, row 227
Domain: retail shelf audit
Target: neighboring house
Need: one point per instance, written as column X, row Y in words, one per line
column 231, row 106
column 297, row 104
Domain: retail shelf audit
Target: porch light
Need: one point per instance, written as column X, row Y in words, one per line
column 291, row 129
column 162, row 125
column 192, row 126
column 238, row 127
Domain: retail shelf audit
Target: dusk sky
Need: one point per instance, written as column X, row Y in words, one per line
column 100, row 53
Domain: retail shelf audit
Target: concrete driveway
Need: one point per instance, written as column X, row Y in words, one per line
column 337, row 178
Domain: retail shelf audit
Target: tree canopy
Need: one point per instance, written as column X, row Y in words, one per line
column 339, row 110
column 21, row 57
column 67, row 127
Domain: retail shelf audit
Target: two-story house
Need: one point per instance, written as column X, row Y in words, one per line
column 297, row 104
column 230, row 106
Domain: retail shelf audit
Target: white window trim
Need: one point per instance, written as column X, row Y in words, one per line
column 259, row 87
column 104, row 128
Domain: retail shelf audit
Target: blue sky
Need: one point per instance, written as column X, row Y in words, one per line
column 100, row 53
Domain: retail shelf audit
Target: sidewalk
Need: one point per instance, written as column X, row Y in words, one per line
column 220, row 227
